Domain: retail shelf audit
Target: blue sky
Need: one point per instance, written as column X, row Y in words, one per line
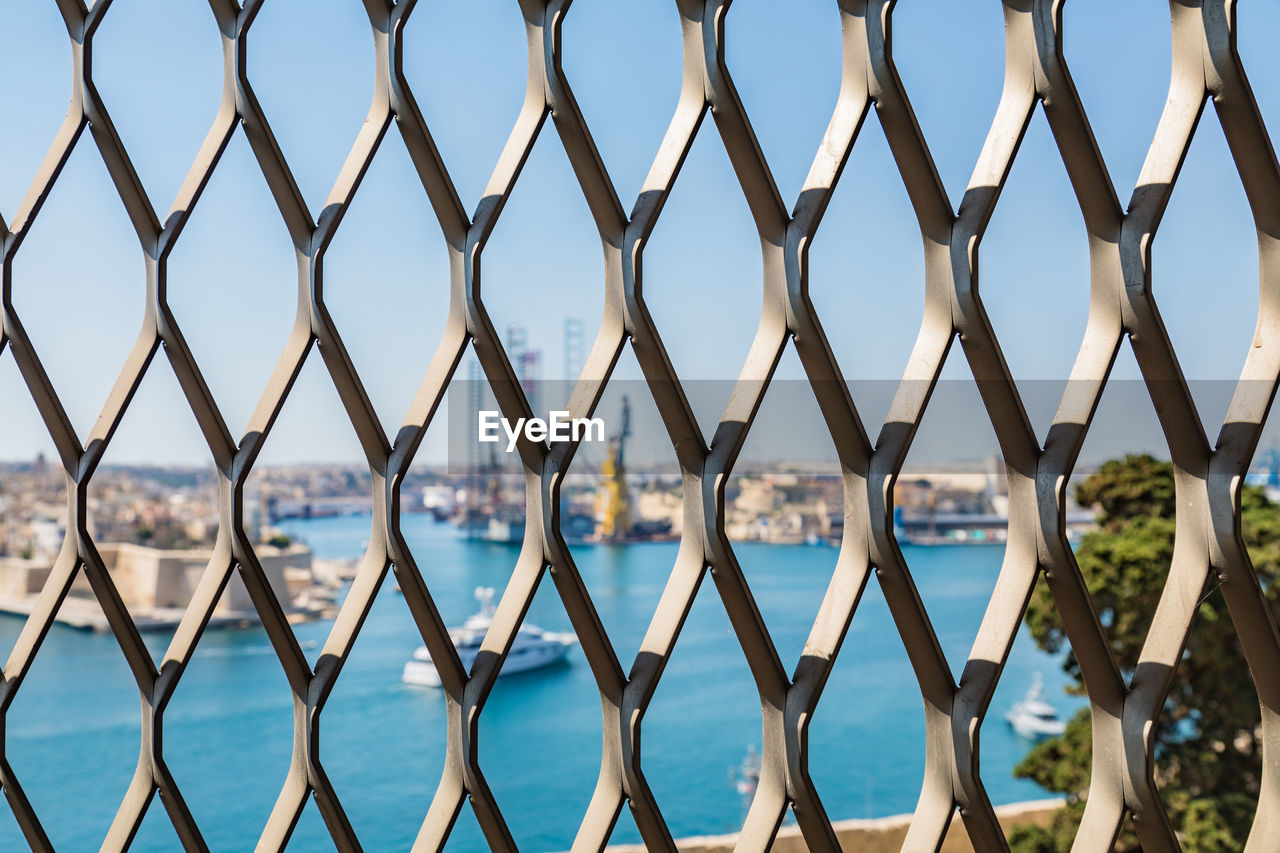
column 78, row 279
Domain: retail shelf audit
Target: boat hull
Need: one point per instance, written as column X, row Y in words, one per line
column 1033, row 729
column 421, row 670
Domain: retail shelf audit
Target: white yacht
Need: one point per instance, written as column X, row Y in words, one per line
column 531, row 649
column 746, row 776
column 1034, row 717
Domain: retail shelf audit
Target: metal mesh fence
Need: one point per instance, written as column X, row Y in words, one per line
column 1206, row 65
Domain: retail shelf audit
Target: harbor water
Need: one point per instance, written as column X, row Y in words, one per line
column 73, row 730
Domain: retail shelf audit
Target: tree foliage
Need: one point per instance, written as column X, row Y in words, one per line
column 1208, row 759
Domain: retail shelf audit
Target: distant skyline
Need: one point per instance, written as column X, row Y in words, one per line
column 78, row 279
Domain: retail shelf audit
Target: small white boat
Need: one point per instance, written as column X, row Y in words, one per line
column 746, row 776
column 1034, row 717
column 532, row 648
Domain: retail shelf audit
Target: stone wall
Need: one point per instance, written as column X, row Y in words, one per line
column 150, row 578
column 20, row 578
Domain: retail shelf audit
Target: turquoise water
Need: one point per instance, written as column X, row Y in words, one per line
column 72, row 733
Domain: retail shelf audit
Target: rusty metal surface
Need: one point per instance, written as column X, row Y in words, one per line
column 1206, row 65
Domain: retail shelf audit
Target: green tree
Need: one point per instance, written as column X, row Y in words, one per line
column 1208, row 759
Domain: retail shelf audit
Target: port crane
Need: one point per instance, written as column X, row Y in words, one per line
column 615, row 510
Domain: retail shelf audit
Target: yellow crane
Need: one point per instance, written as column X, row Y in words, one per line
column 615, row 497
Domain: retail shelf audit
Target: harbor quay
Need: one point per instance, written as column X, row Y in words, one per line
column 157, row 585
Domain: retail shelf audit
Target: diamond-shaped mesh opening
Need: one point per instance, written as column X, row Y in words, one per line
column 81, row 252
column 314, row 425
column 1115, row 48
column 626, row 88
column 626, row 582
column 544, row 244
column 703, row 723
column 468, row 67
column 254, row 288
column 1260, row 62
column 317, row 103
column 537, row 719
column 1208, row 235
column 1007, row 739
column 1126, row 424
column 946, row 105
column 704, row 261
column 177, row 47
column 1127, row 840
column 1211, row 735
column 310, row 832
column 156, row 833
column 622, row 526
column 75, row 771
column 33, row 485
column 868, row 743
column 958, row 833
column 763, row 47
column 867, row 275
column 406, row 283
column 373, row 712
column 228, row 751
column 951, row 508
column 784, row 510
column 955, row 581
column 304, row 516
column 489, row 484
column 33, row 48
column 625, row 831
column 1043, row 273
column 153, row 519
column 466, row 836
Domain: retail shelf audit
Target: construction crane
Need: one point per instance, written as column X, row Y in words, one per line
column 615, row 497
column 572, row 349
